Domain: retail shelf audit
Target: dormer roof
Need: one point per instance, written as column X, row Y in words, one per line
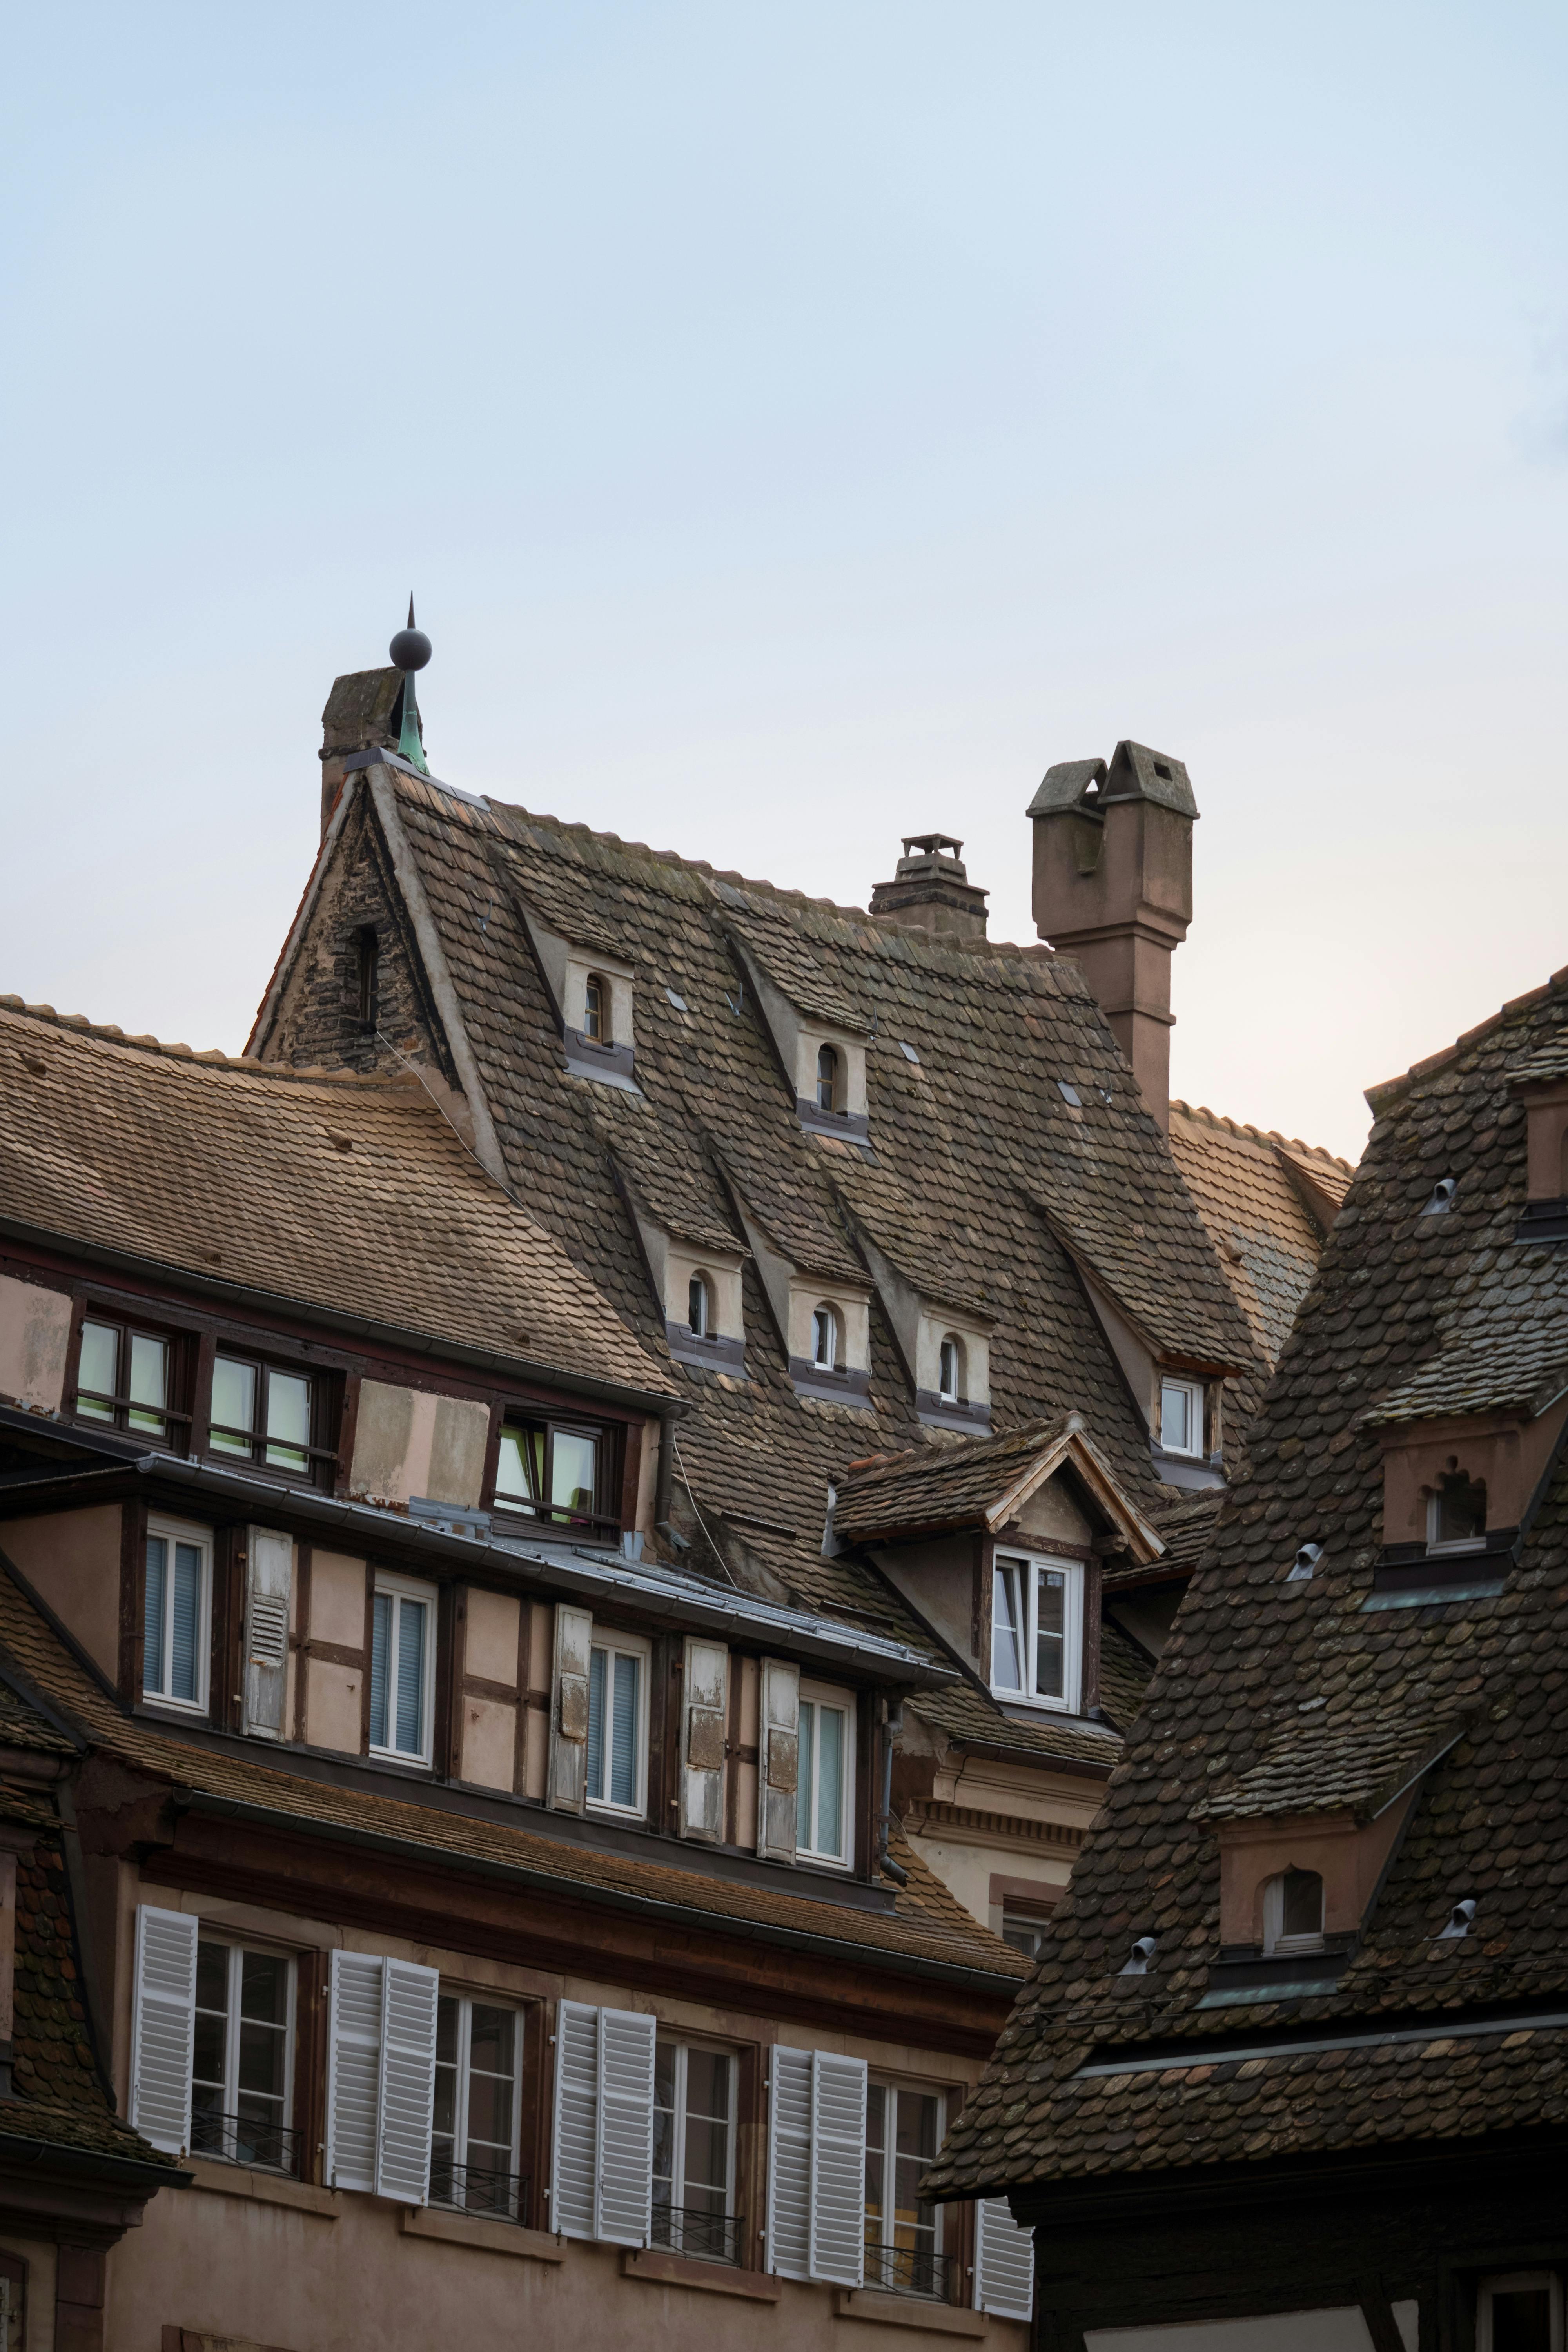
column 1336, row 1760
column 982, row 1483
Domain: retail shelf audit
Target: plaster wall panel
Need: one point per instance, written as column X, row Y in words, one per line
column 35, row 1334
column 408, row 1442
column 337, row 1600
column 333, row 1706
column 491, row 1650
column 490, row 1742
column 72, row 1559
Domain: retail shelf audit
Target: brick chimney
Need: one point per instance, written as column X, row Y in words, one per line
column 363, row 713
column 1114, row 886
column 930, row 891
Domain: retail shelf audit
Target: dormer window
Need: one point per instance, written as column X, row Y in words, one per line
column 824, row 1340
column 699, row 1306
column 1456, row 1511
column 827, row 1085
column 1037, row 1631
column 1293, row 1912
column 596, row 1010
column 1182, row 1417
column 949, row 1370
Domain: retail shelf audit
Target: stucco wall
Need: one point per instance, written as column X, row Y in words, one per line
column 72, row 1559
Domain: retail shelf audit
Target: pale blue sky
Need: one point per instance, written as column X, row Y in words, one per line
column 801, row 425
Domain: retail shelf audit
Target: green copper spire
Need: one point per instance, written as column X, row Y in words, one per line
column 410, row 650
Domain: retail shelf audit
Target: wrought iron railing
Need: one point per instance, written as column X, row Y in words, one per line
column 690, row 2230
column 478, row 2189
column 246, row 2140
column 910, row 2270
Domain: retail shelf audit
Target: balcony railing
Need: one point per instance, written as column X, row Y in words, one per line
column 478, row 2189
column 910, row 2270
column 690, row 2229
column 245, row 2139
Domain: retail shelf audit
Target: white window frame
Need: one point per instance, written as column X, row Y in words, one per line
column 700, row 1294
column 408, row 1588
column 1197, row 1405
column 1274, row 1937
column 465, row 2002
column 1511, row 2282
column 683, row 2044
column 628, row 1645
column 173, row 1531
column 236, row 1947
column 953, row 1395
column 895, row 2090
column 817, row 1696
column 1457, row 1544
column 833, row 1321
column 1031, row 1564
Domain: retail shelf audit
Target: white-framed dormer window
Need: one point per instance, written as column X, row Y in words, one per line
column 1522, row 2310
column 825, row 1782
column 617, row 1725
column 829, row 1087
column 949, row 1370
column 242, row 2056
column 823, row 1339
column 1037, row 1630
column 1182, row 1417
column 694, row 2119
column 177, row 1615
column 699, row 1306
column 1293, row 1912
column 477, row 2120
column 1456, row 1511
column 402, row 1669
column 596, row 1001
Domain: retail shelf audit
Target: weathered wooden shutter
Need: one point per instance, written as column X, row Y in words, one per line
column 569, row 1709
column 1004, row 2261
column 353, row 2071
column 574, row 2163
column 625, row 2127
column 705, row 1700
column 778, row 1760
column 837, row 2167
column 789, row 2163
column 409, row 1998
column 269, row 1586
column 163, row 2026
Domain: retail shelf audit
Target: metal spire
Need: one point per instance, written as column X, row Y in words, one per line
column 410, row 650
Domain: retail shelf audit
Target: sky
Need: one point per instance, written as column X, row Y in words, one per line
column 800, row 427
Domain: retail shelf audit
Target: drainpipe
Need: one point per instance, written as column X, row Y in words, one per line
column 892, row 1723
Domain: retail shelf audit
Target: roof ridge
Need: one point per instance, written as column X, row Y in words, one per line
column 1202, row 1116
column 1379, row 1097
column 212, row 1058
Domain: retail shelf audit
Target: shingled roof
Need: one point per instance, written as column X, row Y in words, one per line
column 1102, row 2074
column 1267, row 1200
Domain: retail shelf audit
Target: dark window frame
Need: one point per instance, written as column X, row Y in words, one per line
column 178, row 1413
column 608, row 1437
column 321, row 1460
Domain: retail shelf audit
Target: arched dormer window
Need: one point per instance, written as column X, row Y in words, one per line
column 1455, row 1511
column 824, row 1339
column 1293, row 1912
column 699, row 1305
column 949, row 1370
column 827, row 1079
column 596, row 1010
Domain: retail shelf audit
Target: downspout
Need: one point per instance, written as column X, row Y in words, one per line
column 892, row 1723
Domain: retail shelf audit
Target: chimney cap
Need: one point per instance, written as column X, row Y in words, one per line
column 1135, row 773
column 932, row 843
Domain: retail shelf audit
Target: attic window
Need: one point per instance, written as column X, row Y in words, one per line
column 368, row 959
column 1182, row 1417
column 827, row 1079
column 824, row 1340
column 1293, row 1912
column 699, row 1306
column 1037, row 1631
column 1456, row 1511
column 595, row 1009
column 951, row 1370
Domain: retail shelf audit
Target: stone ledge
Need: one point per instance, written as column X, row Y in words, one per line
column 266, row 2188
column 713, row 2278
column 908, row 2311
column 472, row 2230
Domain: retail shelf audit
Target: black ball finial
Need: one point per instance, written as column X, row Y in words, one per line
column 410, row 648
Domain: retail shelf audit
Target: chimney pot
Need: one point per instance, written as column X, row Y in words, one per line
column 930, row 891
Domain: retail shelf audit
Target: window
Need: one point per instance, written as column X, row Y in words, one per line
column 368, row 964
column 827, row 1079
column 1037, row 1630
column 824, row 1339
column 266, row 1415
column 1456, row 1511
column 401, row 1681
column 950, row 1376
column 1182, row 1417
column 176, row 1605
column 1293, row 1912
column 125, row 1377
column 618, row 1725
column 903, row 2231
column 1521, row 2312
column 697, row 1306
column 241, row 2056
column 596, row 1010
column 555, row 1473
column 694, row 2152
column 1026, row 1935
column 474, row 2142
column 825, row 1775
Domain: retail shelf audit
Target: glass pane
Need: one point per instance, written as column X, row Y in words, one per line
column 288, row 1421
column 444, row 2121
column 517, row 1471
column 806, row 1775
column 206, row 2060
column 1006, row 1648
column 233, row 1405
column 1521, row 2319
column 624, row 1732
column 264, row 1988
column 573, row 1462
column 914, row 2219
column 492, row 2040
column 100, row 1357
column 260, row 2064
column 1050, row 1633
column 152, row 1661
column 412, row 1615
column 664, row 2069
column 186, row 1625
column 708, row 2084
column 149, row 1388
column 830, row 1744
column 876, row 2141
column 211, row 1975
column 380, row 1644
column 1302, row 1904
column 597, row 1723
column 1461, row 1511
column 1174, row 1418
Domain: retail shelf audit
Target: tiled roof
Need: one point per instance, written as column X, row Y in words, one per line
column 1250, row 1653
column 1249, row 1186
column 330, row 1191
column 1186, row 1530
column 1549, row 1060
column 950, row 1485
column 1490, row 1363
column 1329, row 1761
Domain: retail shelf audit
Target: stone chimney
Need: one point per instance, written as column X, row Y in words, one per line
column 931, row 892
column 1114, row 886
column 363, row 713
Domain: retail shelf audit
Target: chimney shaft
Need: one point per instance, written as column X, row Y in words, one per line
column 930, row 891
column 1114, row 886
column 363, row 713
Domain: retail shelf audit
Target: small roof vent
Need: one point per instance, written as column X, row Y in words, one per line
column 1069, row 1092
column 1460, row 1919
column 1138, row 1960
column 1442, row 1199
column 1305, row 1561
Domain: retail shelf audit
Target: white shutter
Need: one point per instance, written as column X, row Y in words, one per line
column 625, row 2127
column 269, row 1585
column 574, row 2163
column 837, row 2167
column 163, row 2026
column 1004, row 2261
column 408, row 1997
column 705, row 1699
column 569, row 1709
column 778, row 1761
column 789, row 2163
column 353, row 2071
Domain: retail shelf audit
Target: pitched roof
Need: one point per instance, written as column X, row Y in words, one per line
column 980, row 1481
column 319, row 1187
column 1250, row 1656
column 1266, row 1200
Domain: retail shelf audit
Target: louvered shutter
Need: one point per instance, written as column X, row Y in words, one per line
column 789, row 2163
column 705, row 1699
column 778, row 1761
column 569, row 1709
column 164, row 2026
column 574, row 2163
column 353, row 2071
column 837, row 2167
column 1004, row 2261
column 625, row 2127
column 269, row 1586
column 408, row 1996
